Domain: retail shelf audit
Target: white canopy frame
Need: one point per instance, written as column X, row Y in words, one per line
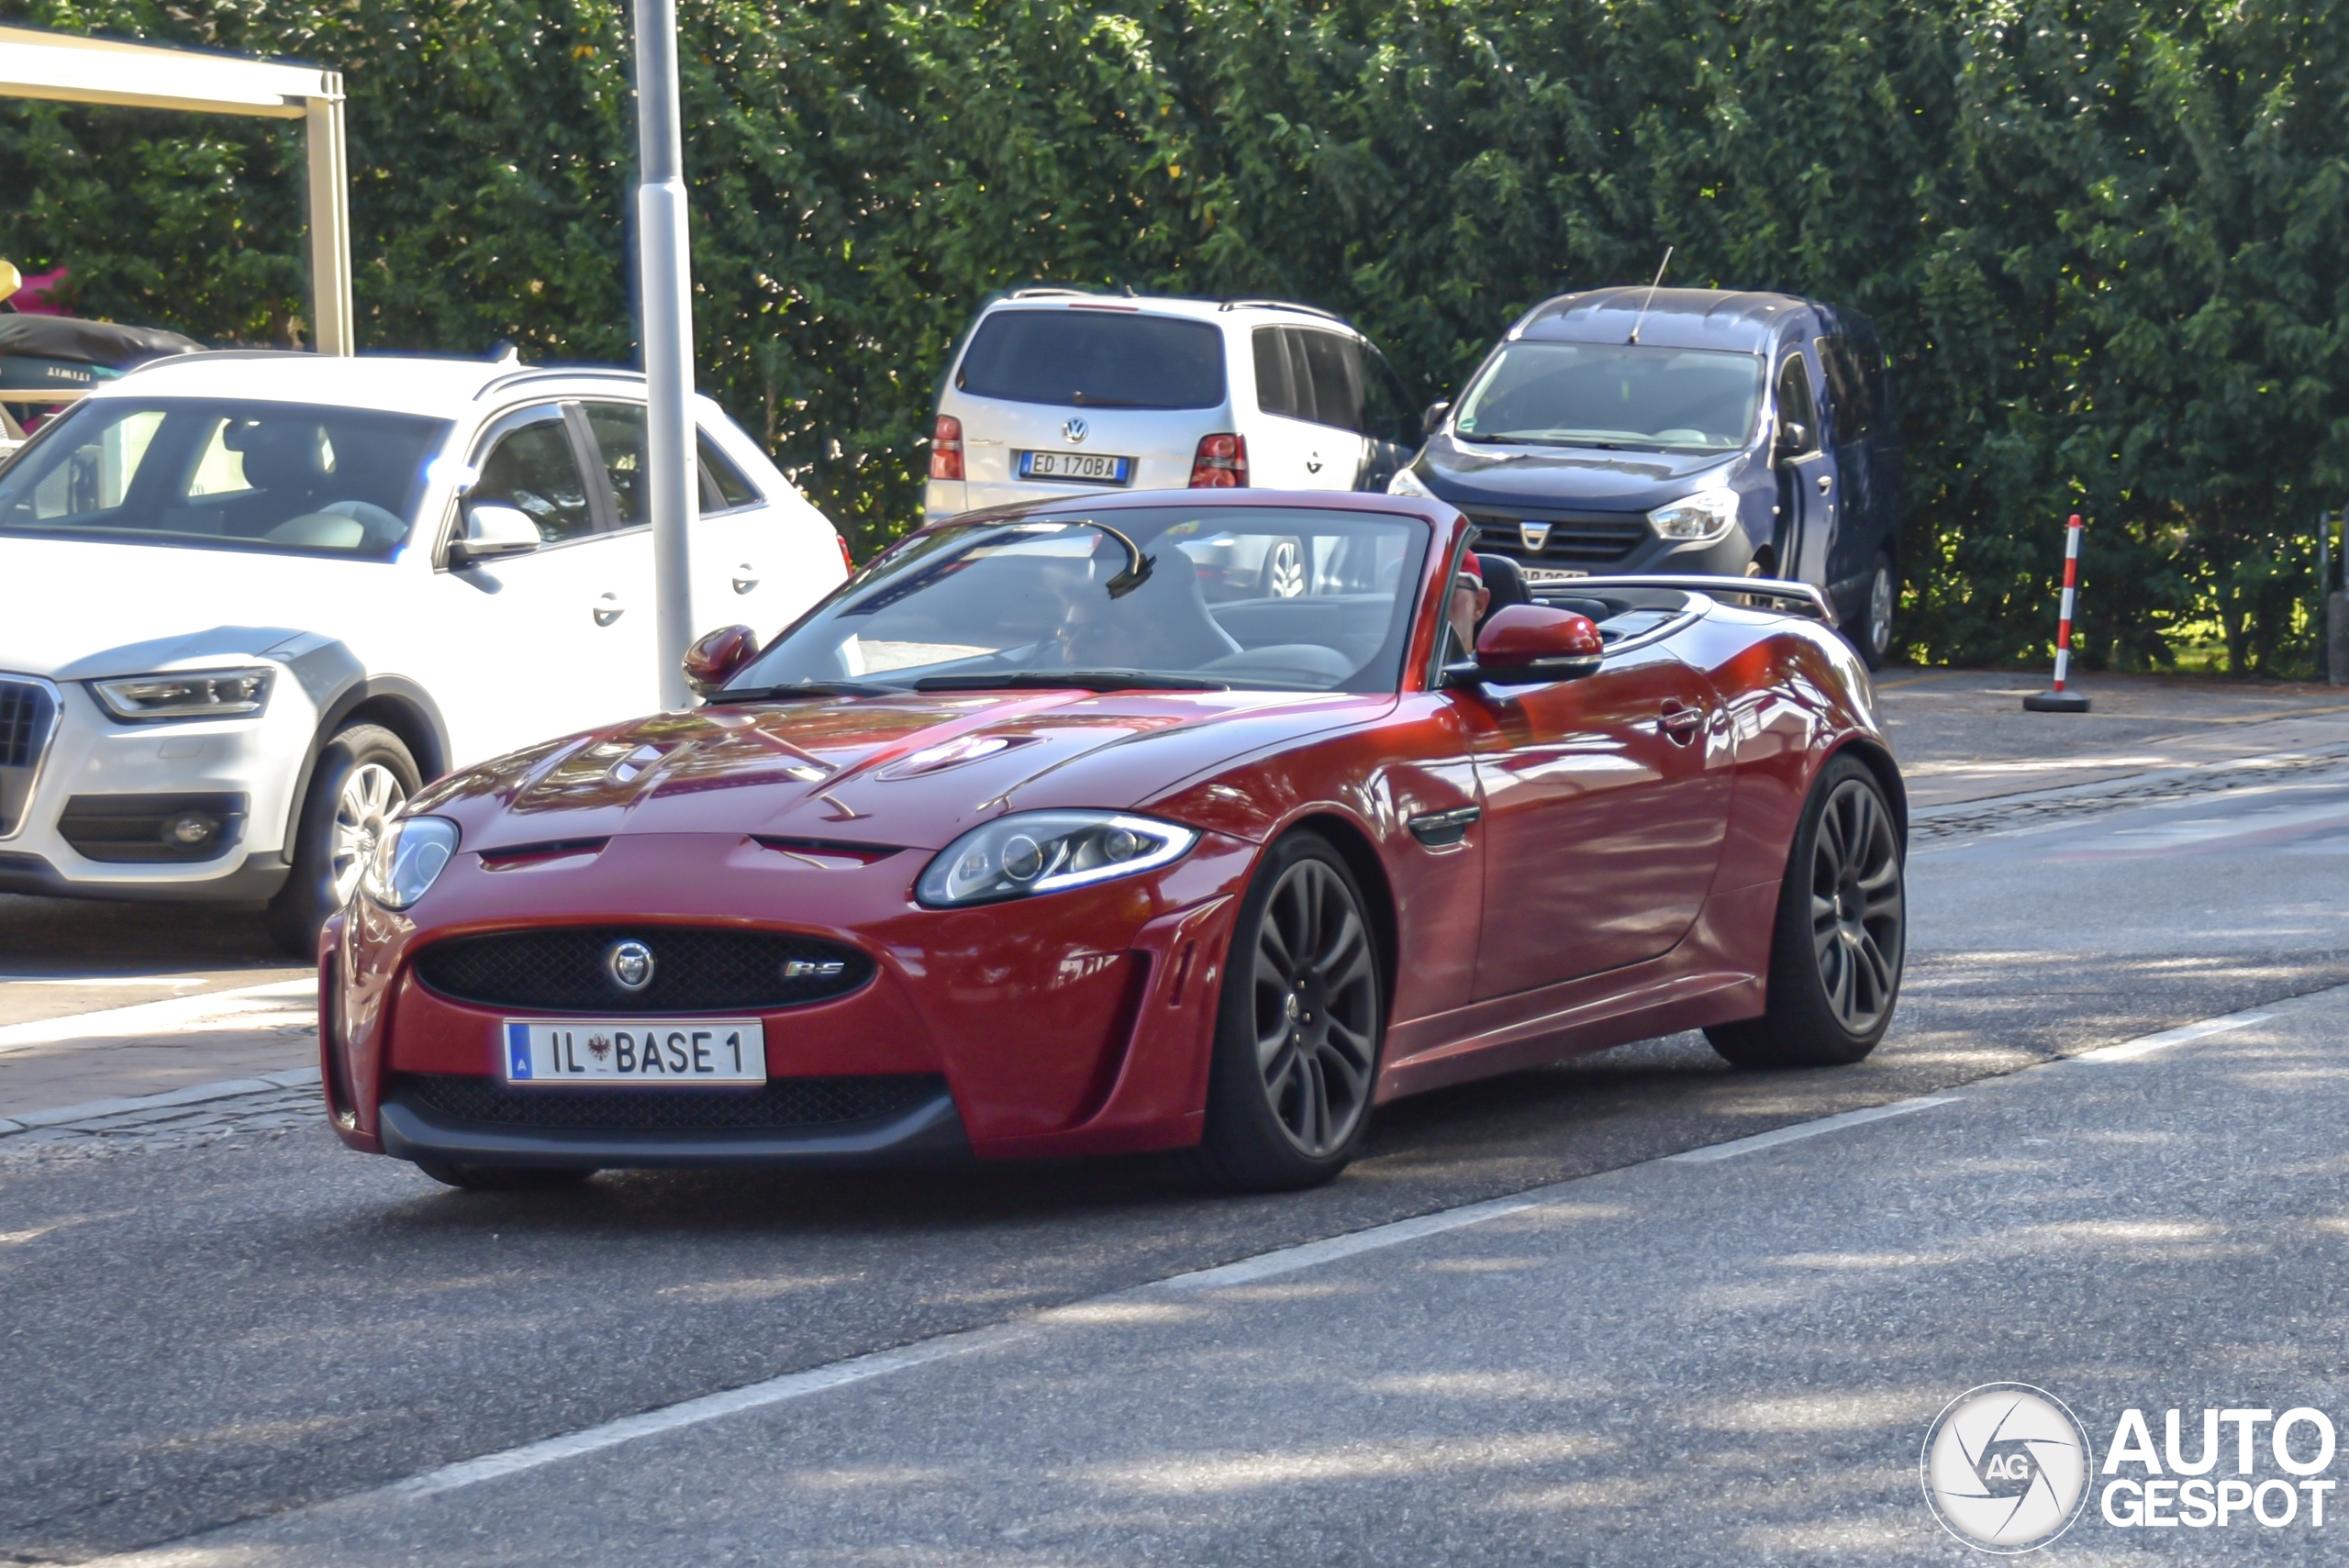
column 70, row 68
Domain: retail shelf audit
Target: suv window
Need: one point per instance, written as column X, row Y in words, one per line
column 1851, row 388
column 1302, row 373
column 1093, row 358
column 618, row 428
column 1795, row 403
column 723, row 488
column 534, row 469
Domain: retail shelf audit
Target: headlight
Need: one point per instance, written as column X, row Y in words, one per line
column 195, row 694
column 1702, row 518
column 407, row 858
column 1406, row 482
column 1045, row 851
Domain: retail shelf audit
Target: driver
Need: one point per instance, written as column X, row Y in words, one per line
column 1470, row 600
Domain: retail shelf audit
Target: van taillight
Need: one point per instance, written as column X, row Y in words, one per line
column 1221, row 463
column 946, row 448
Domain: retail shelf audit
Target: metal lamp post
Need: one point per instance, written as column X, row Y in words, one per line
column 664, row 271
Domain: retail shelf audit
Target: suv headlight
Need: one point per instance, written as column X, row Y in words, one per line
column 1702, row 518
column 1045, row 851
column 191, row 694
column 408, row 857
column 1406, row 482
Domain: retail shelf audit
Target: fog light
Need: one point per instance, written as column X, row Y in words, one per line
column 190, row 831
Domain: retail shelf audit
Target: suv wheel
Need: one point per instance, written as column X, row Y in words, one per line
column 364, row 775
column 1874, row 637
column 1284, row 574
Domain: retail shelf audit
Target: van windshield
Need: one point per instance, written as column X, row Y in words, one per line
column 1614, row 395
column 284, row 477
column 1094, row 357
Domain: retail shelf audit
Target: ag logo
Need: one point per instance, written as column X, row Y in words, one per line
column 2006, row 1467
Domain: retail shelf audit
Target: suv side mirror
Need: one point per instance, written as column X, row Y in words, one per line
column 492, row 530
column 717, row 657
column 1522, row 644
column 1794, row 437
column 1432, row 420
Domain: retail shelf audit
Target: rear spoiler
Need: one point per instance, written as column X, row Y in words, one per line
column 1794, row 598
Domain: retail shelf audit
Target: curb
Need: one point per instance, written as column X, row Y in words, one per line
column 194, row 1094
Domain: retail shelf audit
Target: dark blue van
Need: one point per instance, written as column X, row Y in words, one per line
column 1682, row 430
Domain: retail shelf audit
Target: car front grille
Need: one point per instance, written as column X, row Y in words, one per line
column 780, row 1104
column 1576, row 541
column 27, row 721
column 694, row 970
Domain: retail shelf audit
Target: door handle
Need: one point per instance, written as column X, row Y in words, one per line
column 746, row 577
column 1826, row 483
column 1680, row 723
column 608, row 609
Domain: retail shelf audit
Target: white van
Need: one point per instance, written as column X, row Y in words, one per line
column 1062, row 392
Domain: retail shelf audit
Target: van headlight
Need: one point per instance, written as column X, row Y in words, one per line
column 186, row 694
column 409, row 857
column 1045, row 851
column 1406, row 482
column 1697, row 519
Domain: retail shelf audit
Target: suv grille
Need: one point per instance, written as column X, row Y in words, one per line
column 782, row 1103
column 694, row 970
column 27, row 712
column 1573, row 542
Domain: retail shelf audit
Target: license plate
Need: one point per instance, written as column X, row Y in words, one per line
column 636, row 1052
column 1537, row 575
column 1088, row 468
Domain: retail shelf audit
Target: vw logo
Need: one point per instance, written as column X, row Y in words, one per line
column 1076, row 430
column 630, row 963
column 1535, row 537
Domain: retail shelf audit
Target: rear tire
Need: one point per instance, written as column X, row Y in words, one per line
column 1837, row 945
column 1284, row 574
column 364, row 775
column 500, row 1178
column 1300, row 1026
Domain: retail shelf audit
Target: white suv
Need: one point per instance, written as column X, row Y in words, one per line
column 1059, row 393
column 257, row 598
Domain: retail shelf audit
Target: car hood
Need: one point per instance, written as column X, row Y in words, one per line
column 912, row 772
column 84, row 610
column 1474, row 475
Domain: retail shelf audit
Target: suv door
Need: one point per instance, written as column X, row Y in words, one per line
column 557, row 639
column 1807, row 499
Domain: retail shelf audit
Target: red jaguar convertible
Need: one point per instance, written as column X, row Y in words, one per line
column 1058, row 831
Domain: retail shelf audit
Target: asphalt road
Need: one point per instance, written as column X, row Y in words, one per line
column 230, row 1328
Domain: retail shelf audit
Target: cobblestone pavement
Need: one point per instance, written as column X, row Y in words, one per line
column 275, row 1103
column 2041, row 807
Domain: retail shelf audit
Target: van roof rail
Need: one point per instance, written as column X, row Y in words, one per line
column 1283, row 305
column 1058, row 291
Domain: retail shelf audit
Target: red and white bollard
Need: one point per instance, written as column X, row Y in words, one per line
column 2059, row 700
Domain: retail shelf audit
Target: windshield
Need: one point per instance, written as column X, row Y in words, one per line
column 1277, row 598
column 1095, row 358
column 1614, row 395
column 259, row 476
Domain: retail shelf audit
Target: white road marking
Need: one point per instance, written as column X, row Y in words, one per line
column 1737, row 1146
column 2146, row 1044
column 921, row 1352
column 175, row 1015
column 1267, row 1265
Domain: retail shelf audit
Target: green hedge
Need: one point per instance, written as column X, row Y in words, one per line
column 2105, row 240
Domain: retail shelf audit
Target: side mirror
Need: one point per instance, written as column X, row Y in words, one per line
column 1432, row 420
column 719, row 656
column 1794, row 437
column 1522, row 644
column 492, row 530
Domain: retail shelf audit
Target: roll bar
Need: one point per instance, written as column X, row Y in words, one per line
column 1798, row 598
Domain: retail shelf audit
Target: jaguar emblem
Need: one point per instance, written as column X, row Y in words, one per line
column 630, row 963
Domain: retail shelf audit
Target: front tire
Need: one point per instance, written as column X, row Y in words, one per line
column 1873, row 638
column 1300, row 1026
column 1839, row 940
column 364, row 775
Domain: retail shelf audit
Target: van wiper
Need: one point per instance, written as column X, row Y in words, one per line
column 801, row 689
column 1080, row 680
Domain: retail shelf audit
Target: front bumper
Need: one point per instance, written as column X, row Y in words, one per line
column 70, row 812
column 1072, row 1024
column 930, row 1133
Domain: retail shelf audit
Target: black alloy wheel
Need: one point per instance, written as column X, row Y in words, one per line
column 1839, row 940
column 1301, row 1023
